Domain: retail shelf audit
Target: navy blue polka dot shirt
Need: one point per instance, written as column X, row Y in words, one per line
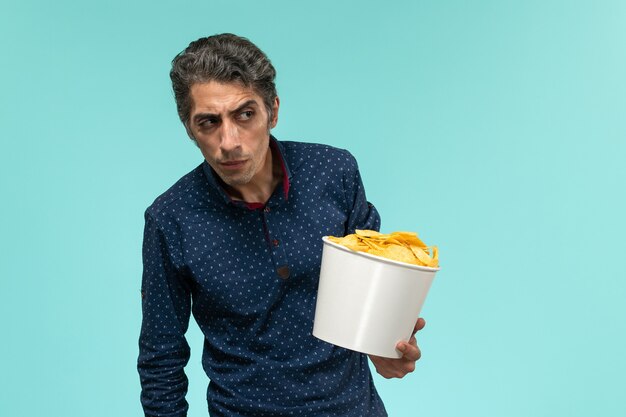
column 249, row 275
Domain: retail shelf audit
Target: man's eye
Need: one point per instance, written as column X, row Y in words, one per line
column 207, row 122
column 246, row 115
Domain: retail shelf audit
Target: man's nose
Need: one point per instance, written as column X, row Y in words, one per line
column 229, row 137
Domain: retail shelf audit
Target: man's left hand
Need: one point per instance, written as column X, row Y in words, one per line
column 398, row 368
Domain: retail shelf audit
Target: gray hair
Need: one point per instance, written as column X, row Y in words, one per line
column 225, row 58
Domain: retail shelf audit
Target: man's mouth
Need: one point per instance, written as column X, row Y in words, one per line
column 228, row 165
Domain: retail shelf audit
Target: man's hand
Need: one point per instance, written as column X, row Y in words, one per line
column 398, row 368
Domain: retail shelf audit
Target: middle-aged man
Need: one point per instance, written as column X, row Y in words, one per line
column 237, row 242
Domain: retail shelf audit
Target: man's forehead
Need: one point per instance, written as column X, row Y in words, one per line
column 217, row 97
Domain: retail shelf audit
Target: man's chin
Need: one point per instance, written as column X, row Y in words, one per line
column 234, row 180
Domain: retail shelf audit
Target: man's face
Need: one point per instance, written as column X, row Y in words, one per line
column 230, row 125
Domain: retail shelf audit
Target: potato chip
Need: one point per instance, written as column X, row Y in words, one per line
column 367, row 233
column 404, row 247
column 350, row 241
column 421, row 254
column 399, row 253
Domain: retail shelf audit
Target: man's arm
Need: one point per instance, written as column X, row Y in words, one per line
column 364, row 215
column 163, row 349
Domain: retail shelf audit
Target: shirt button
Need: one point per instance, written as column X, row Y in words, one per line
column 275, row 242
column 266, row 209
column 283, row 272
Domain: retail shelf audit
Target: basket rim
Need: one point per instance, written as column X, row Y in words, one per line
column 378, row 258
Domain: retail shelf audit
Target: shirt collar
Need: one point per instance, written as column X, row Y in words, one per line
column 215, row 182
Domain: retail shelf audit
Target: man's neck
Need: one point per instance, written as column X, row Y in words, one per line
column 262, row 185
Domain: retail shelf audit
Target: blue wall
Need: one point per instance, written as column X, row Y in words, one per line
column 496, row 129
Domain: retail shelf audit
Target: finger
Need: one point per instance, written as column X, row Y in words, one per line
column 410, row 352
column 419, row 325
column 412, row 341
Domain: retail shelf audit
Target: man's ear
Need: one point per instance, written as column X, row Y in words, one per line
column 190, row 134
column 275, row 107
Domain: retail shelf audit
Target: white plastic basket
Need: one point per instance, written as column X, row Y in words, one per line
column 367, row 303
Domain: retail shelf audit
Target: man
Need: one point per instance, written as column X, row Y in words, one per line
column 237, row 242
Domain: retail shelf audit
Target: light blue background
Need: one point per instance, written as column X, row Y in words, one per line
column 496, row 129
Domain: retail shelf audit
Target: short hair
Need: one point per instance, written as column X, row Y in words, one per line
column 225, row 58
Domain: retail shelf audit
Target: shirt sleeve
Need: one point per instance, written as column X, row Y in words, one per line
column 163, row 349
column 363, row 214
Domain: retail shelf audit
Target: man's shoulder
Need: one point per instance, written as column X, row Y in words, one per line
column 298, row 153
column 312, row 148
column 183, row 188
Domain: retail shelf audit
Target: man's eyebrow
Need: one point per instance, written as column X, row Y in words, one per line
column 200, row 116
column 247, row 103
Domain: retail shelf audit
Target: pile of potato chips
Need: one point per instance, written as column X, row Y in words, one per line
column 397, row 246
